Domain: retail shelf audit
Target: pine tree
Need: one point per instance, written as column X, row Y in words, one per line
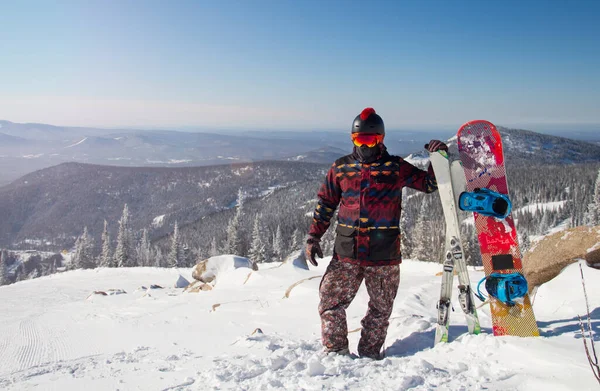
column 214, row 250
column 144, row 250
column 89, row 260
column 405, row 226
column 278, row 245
column 592, row 216
column 159, row 259
column 420, row 235
column 84, row 257
column 124, row 256
column 545, row 222
column 106, row 258
column 185, row 255
column 4, row 278
column 233, row 244
column 257, row 246
column 328, row 240
column 77, row 255
column 296, row 243
column 35, row 273
column 524, row 242
column 175, row 251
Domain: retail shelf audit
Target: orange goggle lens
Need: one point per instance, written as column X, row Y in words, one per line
column 368, row 139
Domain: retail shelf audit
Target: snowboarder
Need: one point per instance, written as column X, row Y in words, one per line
column 368, row 184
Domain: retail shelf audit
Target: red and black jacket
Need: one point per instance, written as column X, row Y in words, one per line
column 370, row 200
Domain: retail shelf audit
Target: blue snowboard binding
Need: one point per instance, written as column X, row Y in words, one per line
column 485, row 202
column 505, row 287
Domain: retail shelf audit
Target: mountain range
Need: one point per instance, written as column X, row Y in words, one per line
column 25, row 148
column 49, row 208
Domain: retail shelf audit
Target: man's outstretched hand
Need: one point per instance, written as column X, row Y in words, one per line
column 313, row 248
column 436, row 145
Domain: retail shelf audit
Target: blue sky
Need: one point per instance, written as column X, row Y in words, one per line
column 300, row 64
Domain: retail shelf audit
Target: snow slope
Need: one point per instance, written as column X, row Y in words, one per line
column 54, row 337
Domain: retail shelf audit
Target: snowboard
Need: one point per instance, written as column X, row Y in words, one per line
column 449, row 181
column 481, row 153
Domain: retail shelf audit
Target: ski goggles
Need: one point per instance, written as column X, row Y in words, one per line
column 368, row 139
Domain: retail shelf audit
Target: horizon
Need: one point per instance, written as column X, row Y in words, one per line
column 290, row 66
column 563, row 130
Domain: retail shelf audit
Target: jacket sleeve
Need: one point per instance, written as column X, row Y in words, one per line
column 328, row 200
column 418, row 179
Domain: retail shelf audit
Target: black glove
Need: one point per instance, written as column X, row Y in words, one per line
column 313, row 248
column 436, row 145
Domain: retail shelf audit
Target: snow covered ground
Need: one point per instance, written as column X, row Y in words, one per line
column 54, row 336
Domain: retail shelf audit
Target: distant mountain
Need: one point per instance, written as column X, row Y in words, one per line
column 12, row 141
column 325, row 155
column 40, row 146
column 51, row 207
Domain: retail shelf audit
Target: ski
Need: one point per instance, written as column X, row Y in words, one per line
column 481, row 153
column 454, row 256
column 465, row 294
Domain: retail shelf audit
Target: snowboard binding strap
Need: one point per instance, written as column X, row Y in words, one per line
column 506, row 288
column 485, row 202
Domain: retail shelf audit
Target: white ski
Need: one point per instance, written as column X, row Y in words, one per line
column 450, row 182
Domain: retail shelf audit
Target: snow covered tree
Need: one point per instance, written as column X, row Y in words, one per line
column 159, row 259
column 84, row 257
column 175, row 251
column 278, row 245
column 35, row 273
column 420, row 235
column 524, row 242
column 143, row 250
column 257, row 246
column 592, row 216
column 214, row 249
column 106, row 258
column 185, row 255
column 124, row 254
column 233, row 244
column 328, row 240
column 4, row 280
column 296, row 242
column 545, row 222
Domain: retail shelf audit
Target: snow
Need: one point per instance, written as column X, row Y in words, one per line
column 52, row 338
column 562, row 226
column 542, row 207
column 271, row 189
column 77, row 143
column 158, row 221
column 223, row 269
column 417, row 160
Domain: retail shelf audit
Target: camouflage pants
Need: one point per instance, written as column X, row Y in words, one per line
column 338, row 288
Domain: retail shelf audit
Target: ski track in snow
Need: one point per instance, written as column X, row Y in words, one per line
column 56, row 339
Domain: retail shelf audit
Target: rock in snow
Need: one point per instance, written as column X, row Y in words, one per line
column 181, row 282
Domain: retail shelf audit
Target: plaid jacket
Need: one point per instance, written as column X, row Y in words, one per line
column 370, row 198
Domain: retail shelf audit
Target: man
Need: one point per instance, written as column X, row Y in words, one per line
column 368, row 184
